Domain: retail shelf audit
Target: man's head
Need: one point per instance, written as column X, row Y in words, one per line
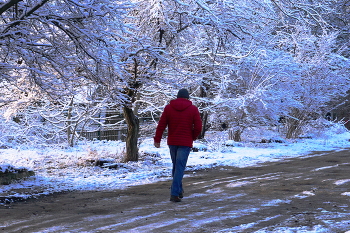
column 183, row 93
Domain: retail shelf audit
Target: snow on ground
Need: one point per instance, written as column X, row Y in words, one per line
column 68, row 169
column 60, row 169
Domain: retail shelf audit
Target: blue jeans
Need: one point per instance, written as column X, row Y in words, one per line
column 179, row 156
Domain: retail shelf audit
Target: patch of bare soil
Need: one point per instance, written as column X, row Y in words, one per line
column 12, row 174
column 306, row 193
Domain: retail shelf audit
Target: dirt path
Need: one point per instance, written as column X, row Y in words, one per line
column 305, row 192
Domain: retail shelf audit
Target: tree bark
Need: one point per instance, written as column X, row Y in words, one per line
column 204, row 117
column 132, row 153
column 70, row 132
column 295, row 122
column 204, row 114
column 237, row 136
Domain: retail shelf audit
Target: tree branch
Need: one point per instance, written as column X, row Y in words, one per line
column 8, row 5
column 30, row 12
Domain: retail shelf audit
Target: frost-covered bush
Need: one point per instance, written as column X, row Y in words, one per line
column 323, row 128
column 27, row 130
column 216, row 140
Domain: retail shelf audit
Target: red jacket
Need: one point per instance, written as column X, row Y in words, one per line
column 183, row 121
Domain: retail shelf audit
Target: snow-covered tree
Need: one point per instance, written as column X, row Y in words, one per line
column 198, row 42
column 54, row 51
column 290, row 71
column 323, row 68
column 239, row 57
column 245, row 62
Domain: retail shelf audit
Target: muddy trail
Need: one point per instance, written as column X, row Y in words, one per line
column 302, row 193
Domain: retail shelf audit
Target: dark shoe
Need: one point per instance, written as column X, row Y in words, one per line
column 181, row 194
column 175, row 199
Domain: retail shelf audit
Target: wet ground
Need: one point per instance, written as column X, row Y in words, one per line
column 309, row 193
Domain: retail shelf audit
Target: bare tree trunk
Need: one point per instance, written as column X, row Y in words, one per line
column 295, row 123
column 70, row 132
column 235, row 134
column 132, row 121
column 132, row 150
column 293, row 128
column 204, row 117
column 204, row 114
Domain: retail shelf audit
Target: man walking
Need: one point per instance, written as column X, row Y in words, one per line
column 184, row 125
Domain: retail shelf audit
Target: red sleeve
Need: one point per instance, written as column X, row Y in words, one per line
column 197, row 124
column 162, row 124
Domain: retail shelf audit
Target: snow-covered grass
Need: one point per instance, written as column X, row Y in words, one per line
column 60, row 169
column 68, row 169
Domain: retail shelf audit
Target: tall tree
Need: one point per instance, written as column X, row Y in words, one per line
column 56, row 50
column 308, row 34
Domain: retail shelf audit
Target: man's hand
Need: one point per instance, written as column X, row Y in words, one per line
column 157, row 144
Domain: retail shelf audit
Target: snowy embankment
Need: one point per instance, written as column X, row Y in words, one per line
column 70, row 169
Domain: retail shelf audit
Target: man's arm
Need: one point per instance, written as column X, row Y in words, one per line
column 162, row 124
